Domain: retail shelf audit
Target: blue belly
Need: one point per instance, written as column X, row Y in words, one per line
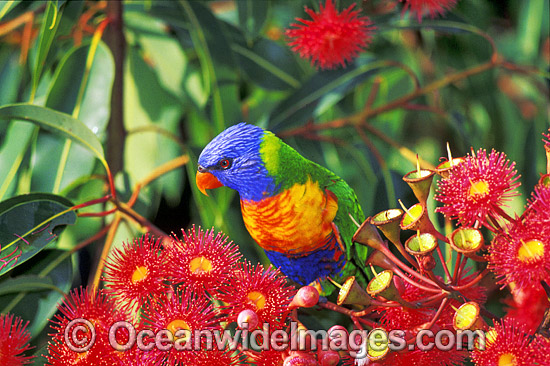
column 305, row 269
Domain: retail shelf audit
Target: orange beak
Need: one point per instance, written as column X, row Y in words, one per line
column 207, row 181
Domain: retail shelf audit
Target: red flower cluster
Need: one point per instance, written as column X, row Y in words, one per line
column 184, row 313
column 182, row 286
column 527, row 307
column 261, row 290
column 136, row 273
column 472, row 191
column 330, row 39
column 477, row 188
column 99, row 312
column 431, row 7
column 412, row 321
column 206, row 263
column 14, row 341
column 508, row 343
column 521, row 254
column 539, row 204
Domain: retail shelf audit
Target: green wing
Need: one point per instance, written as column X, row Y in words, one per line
column 348, row 205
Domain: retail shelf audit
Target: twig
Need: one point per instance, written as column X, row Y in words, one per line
column 106, row 248
column 156, row 173
column 142, row 221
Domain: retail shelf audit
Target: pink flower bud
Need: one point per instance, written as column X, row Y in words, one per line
column 247, row 319
column 427, row 263
column 328, row 358
column 338, row 336
column 297, row 358
column 306, row 297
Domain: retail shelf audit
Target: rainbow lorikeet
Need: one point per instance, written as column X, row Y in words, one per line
column 296, row 210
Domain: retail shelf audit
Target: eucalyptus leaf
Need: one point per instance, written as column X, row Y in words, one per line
column 28, row 223
column 147, row 108
column 300, row 106
column 269, row 64
column 6, row 6
column 16, row 142
column 38, row 306
column 55, row 122
column 252, row 15
column 48, row 30
column 163, row 51
column 83, row 92
column 217, row 62
column 25, row 283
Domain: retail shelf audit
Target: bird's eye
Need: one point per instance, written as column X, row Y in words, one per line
column 224, row 163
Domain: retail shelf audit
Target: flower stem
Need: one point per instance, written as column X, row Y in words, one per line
column 443, row 263
column 438, row 313
column 478, row 278
column 415, row 284
column 456, row 267
column 406, row 268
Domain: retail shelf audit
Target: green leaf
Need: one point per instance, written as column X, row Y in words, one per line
column 16, row 142
column 252, row 16
column 39, row 306
column 28, row 223
column 67, row 86
column 444, row 26
column 55, row 122
column 149, row 107
column 217, row 62
column 46, row 37
column 162, row 50
column 301, row 105
column 40, row 360
column 6, row 6
column 77, row 88
column 15, row 137
column 11, row 73
column 26, row 283
column 269, row 64
column 530, row 25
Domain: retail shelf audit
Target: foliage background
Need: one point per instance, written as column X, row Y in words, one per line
column 144, row 86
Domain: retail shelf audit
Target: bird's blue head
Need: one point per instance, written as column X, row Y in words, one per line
column 233, row 159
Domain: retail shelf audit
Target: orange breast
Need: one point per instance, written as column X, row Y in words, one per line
column 294, row 221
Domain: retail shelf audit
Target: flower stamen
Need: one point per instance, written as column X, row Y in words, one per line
column 257, row 298
column 140, row 274
column 479, row 188
column 178, row 324
column 507, row 359
column 200, row 265
column 531, row 250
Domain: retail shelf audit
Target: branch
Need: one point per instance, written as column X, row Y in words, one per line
column 114, row 37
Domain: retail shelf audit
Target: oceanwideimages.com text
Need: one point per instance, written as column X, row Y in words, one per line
column 80, row 336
